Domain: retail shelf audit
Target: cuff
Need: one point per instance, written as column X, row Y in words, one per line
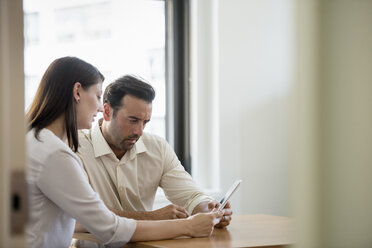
column 196, row 202
column 124, row 232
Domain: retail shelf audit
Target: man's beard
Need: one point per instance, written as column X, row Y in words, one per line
column 124, row 145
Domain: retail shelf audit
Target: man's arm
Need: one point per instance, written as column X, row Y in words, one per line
column 177, row 184
column 207, row 206
column 171, row 211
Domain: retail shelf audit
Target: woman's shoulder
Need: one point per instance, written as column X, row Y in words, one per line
column 47, row 151
column 45, row 143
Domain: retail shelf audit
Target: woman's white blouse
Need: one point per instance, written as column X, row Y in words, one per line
column 59, row 193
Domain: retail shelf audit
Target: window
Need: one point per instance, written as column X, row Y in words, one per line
column 143, row 37
column 118, row 37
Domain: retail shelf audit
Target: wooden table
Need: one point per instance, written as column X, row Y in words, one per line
column 244, row 231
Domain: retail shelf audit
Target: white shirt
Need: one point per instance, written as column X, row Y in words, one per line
column 131, row 183
column 59, row 193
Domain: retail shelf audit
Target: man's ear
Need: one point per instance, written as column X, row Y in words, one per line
column 107, row 112
column 76, row 91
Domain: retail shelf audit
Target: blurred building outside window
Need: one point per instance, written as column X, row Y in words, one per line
column 118, row 37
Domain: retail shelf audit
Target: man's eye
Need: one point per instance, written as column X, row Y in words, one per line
column 132, row 121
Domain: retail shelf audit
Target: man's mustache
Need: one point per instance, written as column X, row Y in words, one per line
column 135, row 136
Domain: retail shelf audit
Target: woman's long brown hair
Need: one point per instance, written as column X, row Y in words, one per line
column 54, row 97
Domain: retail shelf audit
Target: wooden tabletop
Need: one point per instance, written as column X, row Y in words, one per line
column 244, row 231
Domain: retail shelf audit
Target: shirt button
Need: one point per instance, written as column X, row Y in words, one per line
column 121, row 188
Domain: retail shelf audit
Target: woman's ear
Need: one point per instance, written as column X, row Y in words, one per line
column 107, row 112
column 76, row 91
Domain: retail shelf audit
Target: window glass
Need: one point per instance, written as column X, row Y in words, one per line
column 118, row 37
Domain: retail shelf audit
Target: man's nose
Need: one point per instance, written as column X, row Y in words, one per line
column 139, row 129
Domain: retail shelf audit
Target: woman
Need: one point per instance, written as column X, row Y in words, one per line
column 68, row 99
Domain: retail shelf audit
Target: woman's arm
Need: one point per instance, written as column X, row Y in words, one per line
column 62, row 181
column 199, row 225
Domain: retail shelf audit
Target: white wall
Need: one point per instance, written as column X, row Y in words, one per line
column 244, row 74
column 294, row 88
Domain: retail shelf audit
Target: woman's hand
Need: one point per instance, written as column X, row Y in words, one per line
column 208, row 206
column 202, row 224
column 198, row 225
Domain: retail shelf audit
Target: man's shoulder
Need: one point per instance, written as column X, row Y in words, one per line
column 153, row 139
column 84, row 133
column 154, row 143
column 85, row 139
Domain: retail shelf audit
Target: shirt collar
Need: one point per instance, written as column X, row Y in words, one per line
column 101, row 147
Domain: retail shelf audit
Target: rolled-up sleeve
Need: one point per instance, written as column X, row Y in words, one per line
column 63, row 181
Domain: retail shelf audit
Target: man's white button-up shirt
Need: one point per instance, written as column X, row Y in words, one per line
column 131, row 183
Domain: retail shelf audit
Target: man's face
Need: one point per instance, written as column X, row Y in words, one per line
column 127, row 126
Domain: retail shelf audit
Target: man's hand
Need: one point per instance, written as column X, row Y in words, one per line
column 171, row 211
column 208, row 206
column 227, row 216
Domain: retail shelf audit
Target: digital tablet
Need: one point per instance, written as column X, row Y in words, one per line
column 229, row 194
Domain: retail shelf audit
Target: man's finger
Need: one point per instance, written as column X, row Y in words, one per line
column 182, row 210
column 222, row 225
column 227, row 211
column 228, row 205
column 212, row 204
column 181, row 215
column 226, row 218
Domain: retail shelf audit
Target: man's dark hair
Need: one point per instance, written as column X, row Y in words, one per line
column 130, row 85
column 54, row 97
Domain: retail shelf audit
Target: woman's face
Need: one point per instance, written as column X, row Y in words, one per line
column 89, row 105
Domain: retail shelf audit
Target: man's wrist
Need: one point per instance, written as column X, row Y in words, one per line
column 135, row 214
column 151, row 215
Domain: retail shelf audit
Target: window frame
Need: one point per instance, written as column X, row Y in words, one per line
column 177, row 79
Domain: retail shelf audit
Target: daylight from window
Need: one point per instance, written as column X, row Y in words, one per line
column 118, row 37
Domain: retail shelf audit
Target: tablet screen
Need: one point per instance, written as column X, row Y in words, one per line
column 229, row 194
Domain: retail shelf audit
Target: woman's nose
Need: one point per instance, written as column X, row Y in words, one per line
column 100, row 107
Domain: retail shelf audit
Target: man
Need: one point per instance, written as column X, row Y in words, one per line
column 125, row 166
